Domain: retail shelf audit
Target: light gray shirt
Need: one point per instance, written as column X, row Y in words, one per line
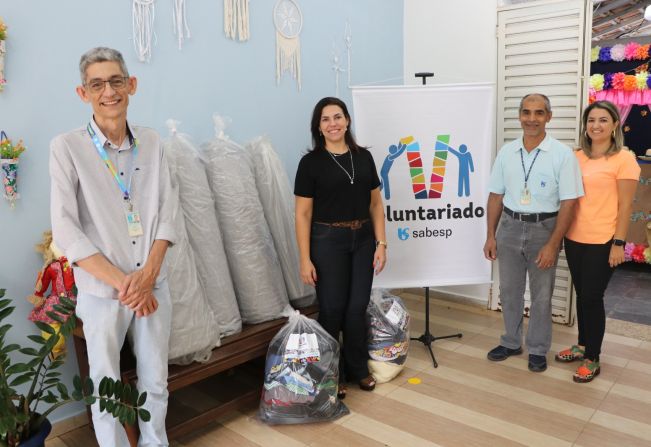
column 88, row 209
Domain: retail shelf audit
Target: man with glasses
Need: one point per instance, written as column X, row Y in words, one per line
column 109, row 205
column 533, row 187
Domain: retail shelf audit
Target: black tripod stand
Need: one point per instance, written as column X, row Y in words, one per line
column 427, row 338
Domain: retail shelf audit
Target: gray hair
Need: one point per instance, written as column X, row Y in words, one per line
column 101, row 54
column 616, row 139
column 548, row 105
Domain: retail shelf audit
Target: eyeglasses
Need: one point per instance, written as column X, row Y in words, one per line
column 116, row 82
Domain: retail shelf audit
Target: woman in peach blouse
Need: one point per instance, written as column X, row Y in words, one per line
column 594, row 244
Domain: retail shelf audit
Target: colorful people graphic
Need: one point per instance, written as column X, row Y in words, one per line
column 394, row 152
column 465, row 168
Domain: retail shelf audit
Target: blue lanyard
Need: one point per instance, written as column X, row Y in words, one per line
column 526, row 173
column 109, row 164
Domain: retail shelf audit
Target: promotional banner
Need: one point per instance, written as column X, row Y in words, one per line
column 432, row 148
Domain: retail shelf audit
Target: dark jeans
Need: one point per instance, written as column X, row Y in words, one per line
column 591, row 272
column 343, row 259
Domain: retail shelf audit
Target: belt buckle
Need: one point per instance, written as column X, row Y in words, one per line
column 356, row 225
column 522, row 217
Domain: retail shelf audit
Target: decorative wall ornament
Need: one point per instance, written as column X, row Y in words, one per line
column 288, row 21
column 236, row 19
column 3, row 50
column 9, row 154
column 181, row 30
column 336, row 67
column 348, row 39
column 143, row 28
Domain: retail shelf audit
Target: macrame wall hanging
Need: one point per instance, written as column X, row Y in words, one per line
column 181, row 30
column 336, row 67
column 348, row 40
column 236, row 19
column 3, row 50
column 288, row 21
column 143, row 28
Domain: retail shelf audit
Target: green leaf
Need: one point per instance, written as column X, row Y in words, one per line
column 76, row 395
column 36, row 339
column 90, row 400
column 51, row 381
column 142, row 399
column 4, row 313
column 56, row 317
column 10, row 348
column 18, row 368
column 118, row 389
column 22, row 379
column 67, row 302
column 126, row 393
column 110, row 387
column 131, row 416
column 4, row 329
column 30, row 351
column 102, row 404
column 76, row 382
column 53, row 373
column 50, row 398
column 110, row 404
column 63, row 391
column 116, row 409
column 45, row 327
column 144, row 415
column 89, row 387
column 133, row 399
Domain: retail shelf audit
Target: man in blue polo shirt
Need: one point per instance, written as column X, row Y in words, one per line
column 533, row 187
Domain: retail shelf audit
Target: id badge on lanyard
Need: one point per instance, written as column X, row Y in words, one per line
column 134, row 225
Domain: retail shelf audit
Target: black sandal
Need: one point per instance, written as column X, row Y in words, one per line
column 367, row 384
column 341, row 391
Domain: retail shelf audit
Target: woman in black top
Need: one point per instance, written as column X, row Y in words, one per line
column 340, row 233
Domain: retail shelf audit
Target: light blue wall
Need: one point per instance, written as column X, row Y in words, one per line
column 211, row 74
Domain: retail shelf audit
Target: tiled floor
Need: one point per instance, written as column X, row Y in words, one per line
column 468, row 400
column 628, row 296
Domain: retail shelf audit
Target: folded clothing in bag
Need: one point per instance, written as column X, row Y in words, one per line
column 388, row 335
column 301, row 375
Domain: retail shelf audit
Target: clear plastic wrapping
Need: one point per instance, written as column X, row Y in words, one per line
column 301, row 375
column 252, row 258
column 278, row 205
column 388, row 335
column 195, row 331
column 203, row 229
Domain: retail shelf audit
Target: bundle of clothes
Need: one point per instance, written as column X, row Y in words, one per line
column 301, row 375
column 388, row 335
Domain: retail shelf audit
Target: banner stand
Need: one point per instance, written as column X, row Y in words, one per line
column 427, row 338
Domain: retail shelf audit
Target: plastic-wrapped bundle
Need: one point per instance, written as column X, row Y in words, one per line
column 195, row 331
column 388, row 335
column 252, row 258
column 278, row 205
column 301, row 375
column 203, row 230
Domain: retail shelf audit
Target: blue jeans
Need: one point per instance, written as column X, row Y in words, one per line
column 518, row 244
column 343, row 259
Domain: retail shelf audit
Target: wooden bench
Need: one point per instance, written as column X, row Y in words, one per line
column 235, row 350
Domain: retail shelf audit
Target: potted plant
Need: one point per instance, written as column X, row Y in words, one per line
column 23, row 420
column 9, row 154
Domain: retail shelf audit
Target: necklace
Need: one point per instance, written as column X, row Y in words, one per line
column 351, row 177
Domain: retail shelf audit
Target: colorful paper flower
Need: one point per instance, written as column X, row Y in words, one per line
column 608, row 81
column 597, row 81
column 630, row 83
column 648, row 82
column 3, row 30
column 628, row 251
column 641, row 79
column 631, row 49
column 618, row 81
column 638, row 253
column 642, row 52
column 594, row 54
column 618, row 52
column 604, row 54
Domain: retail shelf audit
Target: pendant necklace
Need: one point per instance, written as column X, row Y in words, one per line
column 351, row 177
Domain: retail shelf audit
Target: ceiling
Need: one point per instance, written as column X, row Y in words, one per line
column 613, row 19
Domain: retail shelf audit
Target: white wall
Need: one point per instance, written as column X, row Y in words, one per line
column 457, row 42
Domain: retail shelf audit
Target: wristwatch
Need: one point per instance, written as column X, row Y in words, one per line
column 619, row 242
column 378, row 243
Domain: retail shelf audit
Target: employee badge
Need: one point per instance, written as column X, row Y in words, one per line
column 525, row 196
column 133, row 224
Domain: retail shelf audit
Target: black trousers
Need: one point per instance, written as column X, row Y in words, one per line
column 591, row 273
column 343, row 259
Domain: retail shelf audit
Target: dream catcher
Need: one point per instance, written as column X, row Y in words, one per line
column 288, row 21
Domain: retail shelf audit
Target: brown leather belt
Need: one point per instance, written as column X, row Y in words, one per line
column 352, row 224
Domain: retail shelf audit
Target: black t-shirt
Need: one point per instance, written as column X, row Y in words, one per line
column 335, row 198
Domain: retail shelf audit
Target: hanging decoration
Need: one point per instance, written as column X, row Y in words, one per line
column 631, row 51
column 288, row 21
column 9, row 154
column 236, row 19
column 181, row 29
column 3, row 36
column 621, row 88
column 143, row 28
column 336, row 67
column 348, row 39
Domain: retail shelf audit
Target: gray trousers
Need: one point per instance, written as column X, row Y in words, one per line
column 518, row 244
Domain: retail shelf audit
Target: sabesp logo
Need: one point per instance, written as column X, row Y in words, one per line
column 437, row 176
column 403, row 233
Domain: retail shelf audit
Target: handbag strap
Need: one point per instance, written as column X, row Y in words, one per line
column 3, row 135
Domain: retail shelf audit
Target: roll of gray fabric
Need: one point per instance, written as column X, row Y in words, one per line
column 195, row 331
column 278, row 205
column 252, row 258
column 203, row 230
